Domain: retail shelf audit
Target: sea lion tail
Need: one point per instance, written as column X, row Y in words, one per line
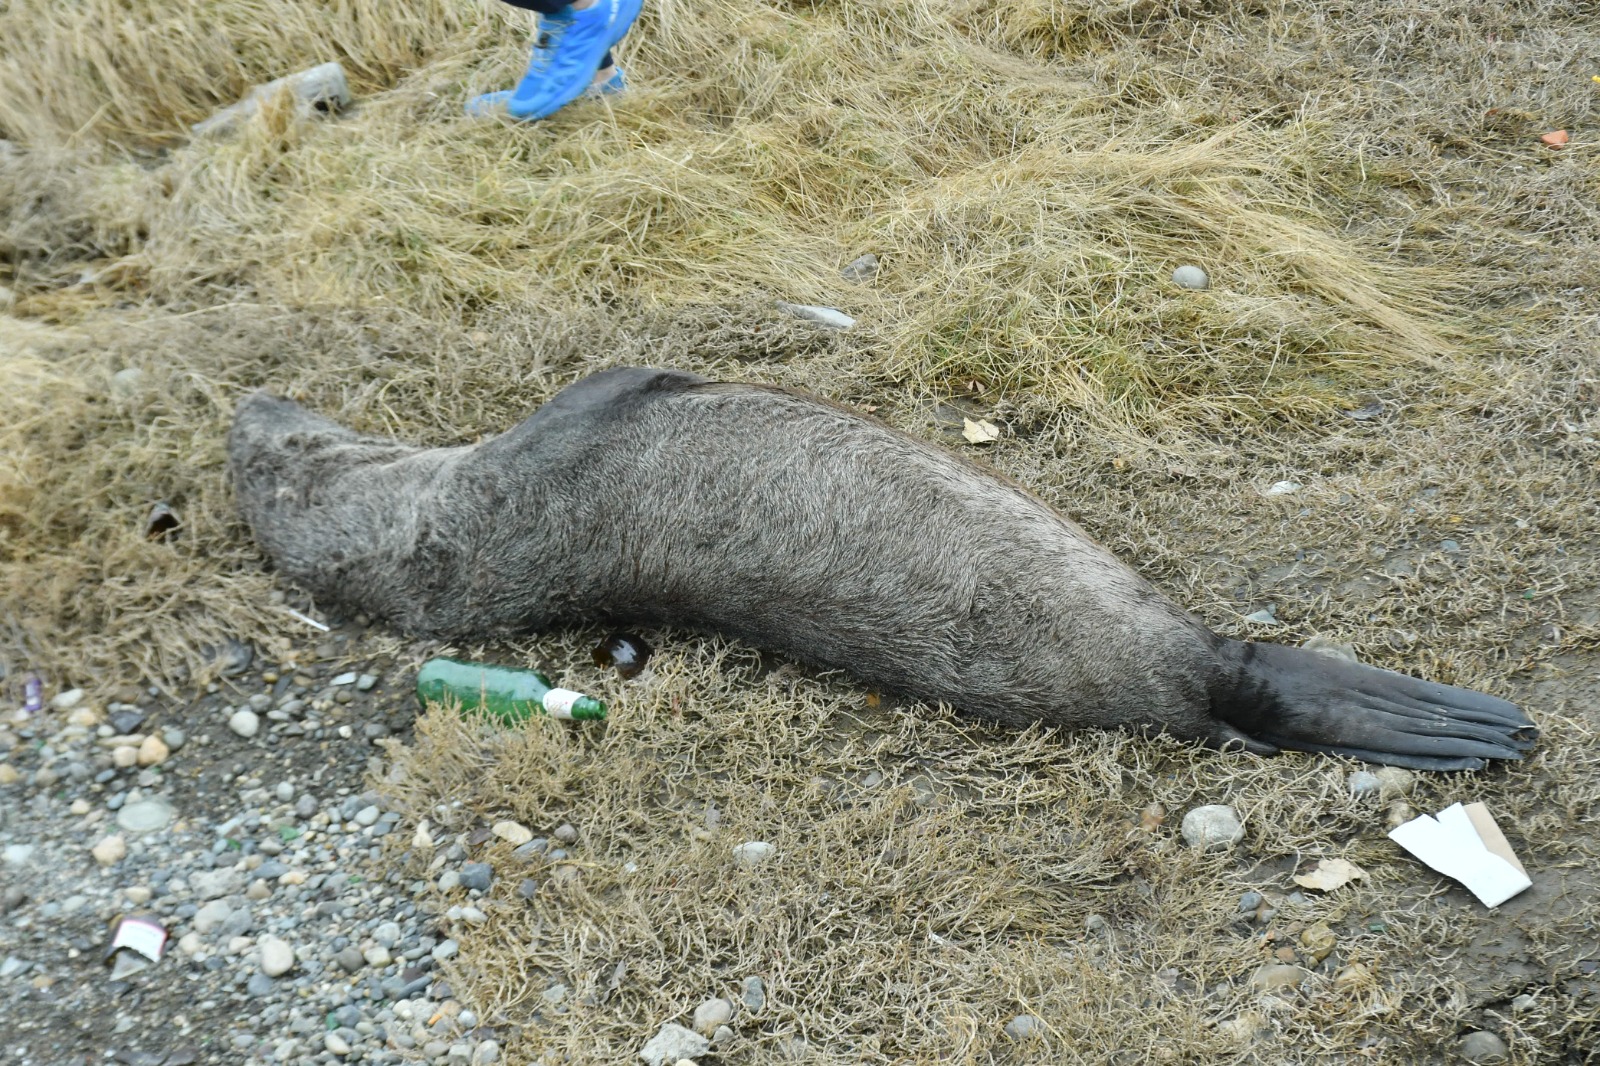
column 1310, row 701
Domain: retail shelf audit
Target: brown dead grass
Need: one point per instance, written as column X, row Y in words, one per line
column 1362, row 181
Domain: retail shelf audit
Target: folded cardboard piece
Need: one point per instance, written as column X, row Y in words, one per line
column 1464, row 843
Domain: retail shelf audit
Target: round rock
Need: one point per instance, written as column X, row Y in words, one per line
column 711, row 1014
column 753, row 852
column 1483, row 1046
column 1212, row 827
column 1024, row 1027
column 277, row 957
column 110, row 851
column 1191, row 277
column 246, row 723
column 145, row 816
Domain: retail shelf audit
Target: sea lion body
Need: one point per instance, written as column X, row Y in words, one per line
column 653, row 496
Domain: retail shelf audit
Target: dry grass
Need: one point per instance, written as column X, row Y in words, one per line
column 1363, row 182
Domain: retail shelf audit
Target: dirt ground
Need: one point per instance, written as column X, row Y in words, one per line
column 1401, row 322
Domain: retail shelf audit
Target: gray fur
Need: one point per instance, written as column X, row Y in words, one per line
column 650, row 496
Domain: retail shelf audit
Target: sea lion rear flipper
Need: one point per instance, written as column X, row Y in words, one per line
column 1306, row 701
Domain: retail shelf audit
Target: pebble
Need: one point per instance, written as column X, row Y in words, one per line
column 214, row 884
column 672, row 1043
column 245, row 723
column 1249, row 902
column 110, row 851
column 18, row 854
column 1364, row 783
column 711, row 1014
column 753, row 852
column 367, row 815
column 1394, row 781
column 1024, row 1027
column 476, row 875
column 153, row 752
column 260, row 986
column 1277, row 977
column 514, row 833
column 351, row 959
column 1264, row 617
column 336, row 1044
column 1212, row 827
column 1096, row 925
column 65, row 701
column 447, row 949
column 378, row 956
column 863, row 268
column 277, row 957
column 1483, row 1046
column 1524, row 1002
column 722, row 1037
column 826, row 317
column 284, row 791
column 754, row 993
column 9, row 774
column 124, row 756
column 488, row 1053
column 567, row 833
column 344, row 679
column 1191, row 277
column 209, row 919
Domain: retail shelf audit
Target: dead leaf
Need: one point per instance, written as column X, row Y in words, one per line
column 1556, row 138
column 1329, row 874
column 979, row 432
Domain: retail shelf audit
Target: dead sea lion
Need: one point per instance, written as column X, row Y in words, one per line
column 643, row 496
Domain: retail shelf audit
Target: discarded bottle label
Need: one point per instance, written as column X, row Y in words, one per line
column 507, row 693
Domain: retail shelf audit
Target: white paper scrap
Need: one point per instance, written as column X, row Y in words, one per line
column 1449, row 844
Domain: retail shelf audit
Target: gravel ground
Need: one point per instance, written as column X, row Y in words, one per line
column 290, row 938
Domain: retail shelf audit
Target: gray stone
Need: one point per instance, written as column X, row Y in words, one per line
column 753, row 852
column 1483, row 1046
column 1249, row 902
column 1212, row 827
column 367, row 815
column 18, row 854
column 260, row 985
column 388, row 934
column 447, row 949
column 1364, row 784
column 477, row 875
column 1024, row 1027
column 567, row 833
column 754, row 993
column 672, row 1043
column 863, row 268
column 209, row 919
column 351, row 959
column 245, row 723
column 213, row 884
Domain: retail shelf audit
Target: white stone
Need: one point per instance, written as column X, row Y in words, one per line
column 110, row 851
column 209, row 919
column 245, row 723
column 323, row 87
column 277, row 957
column 1191, row 277
column 65, row 701
column 711, row 1014
column 672, row 1043
column 826, row 317
column 1212, row 826
column 513, row 833
column 753, row 852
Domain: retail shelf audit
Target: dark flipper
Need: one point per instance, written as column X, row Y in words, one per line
column 1306, row 701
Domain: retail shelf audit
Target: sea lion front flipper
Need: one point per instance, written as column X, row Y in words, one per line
column 1306, row 701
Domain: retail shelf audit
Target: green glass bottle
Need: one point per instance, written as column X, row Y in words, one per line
column 504, row 692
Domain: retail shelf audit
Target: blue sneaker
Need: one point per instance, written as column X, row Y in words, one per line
column 496, row 103
column 578, row 40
